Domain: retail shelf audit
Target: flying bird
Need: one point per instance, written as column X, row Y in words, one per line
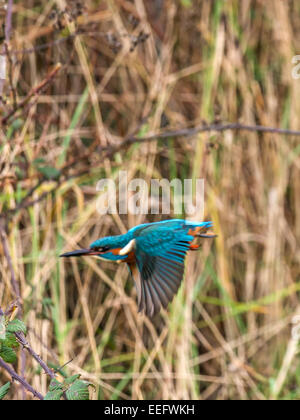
column 155, row 255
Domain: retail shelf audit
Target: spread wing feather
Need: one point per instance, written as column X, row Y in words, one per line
column 160, row 254
column 160, row 250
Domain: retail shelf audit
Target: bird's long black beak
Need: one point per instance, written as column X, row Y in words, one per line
column 78, row 253
column 206, row 235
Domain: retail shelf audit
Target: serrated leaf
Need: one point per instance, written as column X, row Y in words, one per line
column 49, row 172
column 16, row 326
column 2, row 328
column 8, row 354
column 53, row 395
column 10, row 340
column 72, row 379
column 55, row 385
column 79, row 390
column 4, row 390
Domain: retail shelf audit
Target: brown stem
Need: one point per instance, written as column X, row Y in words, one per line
column 8, row 20
column 22, row 340
column 14, row 282
column 18, row 378
column 8, row 26
column 186, row 132
column 109, row 151
column 35, row 91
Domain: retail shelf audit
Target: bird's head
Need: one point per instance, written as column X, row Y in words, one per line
column 107, row 248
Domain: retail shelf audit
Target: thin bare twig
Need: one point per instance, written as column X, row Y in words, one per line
column 35, row 91
column 56, row 42
column 218, row 127
column 14, row 282
column 109, row 151
column 25, row 345
column 8, row 21
column 10, row 75
column 8, row 26
column 21, row 380
column 37, row 358
column 22, row 340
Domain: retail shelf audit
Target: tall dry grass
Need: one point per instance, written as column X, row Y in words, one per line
column 227, row 334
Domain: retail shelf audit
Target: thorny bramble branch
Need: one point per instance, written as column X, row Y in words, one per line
column 19, row 379
column 20, row 336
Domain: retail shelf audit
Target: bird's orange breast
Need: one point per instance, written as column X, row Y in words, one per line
column 129, row 259
column 115, row 251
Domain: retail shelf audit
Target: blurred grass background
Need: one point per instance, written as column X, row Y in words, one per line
column 145, row 66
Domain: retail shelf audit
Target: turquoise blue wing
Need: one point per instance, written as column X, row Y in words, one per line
column 160, row 253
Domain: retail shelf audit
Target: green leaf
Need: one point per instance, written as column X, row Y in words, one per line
column 16, row 125
column 71, row 379
column 49, row 172
column 87, row 142
column 47, row 302
column 38, row 161
column 4, row 390
column 16, row 326
column 8, row 354
column 53, row 395
column 2, row 328
column 55, row 385
column 79, row 390
column 10, row 340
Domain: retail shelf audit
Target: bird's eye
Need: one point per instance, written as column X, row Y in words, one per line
column 101, row 248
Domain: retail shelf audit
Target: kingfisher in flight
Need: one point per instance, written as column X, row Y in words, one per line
column 155, row 255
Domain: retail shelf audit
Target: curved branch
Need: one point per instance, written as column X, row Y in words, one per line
column 21, row 380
